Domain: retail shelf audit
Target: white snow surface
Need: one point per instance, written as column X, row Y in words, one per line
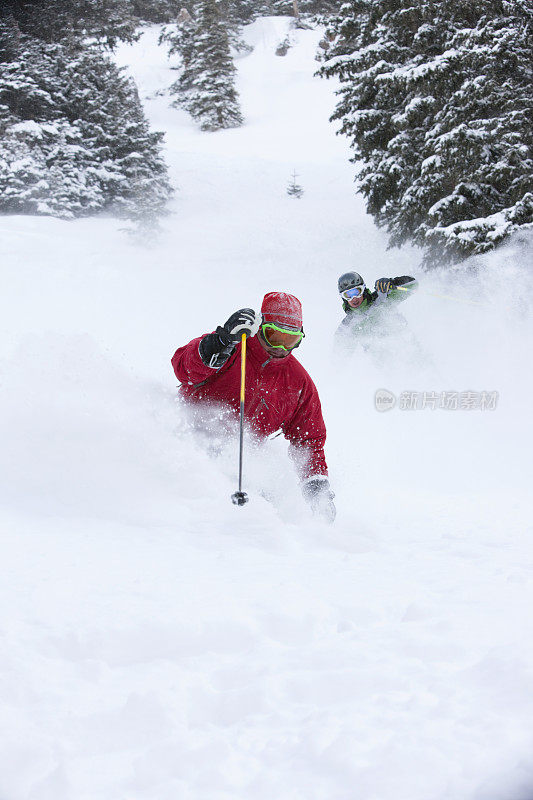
column 158, row 643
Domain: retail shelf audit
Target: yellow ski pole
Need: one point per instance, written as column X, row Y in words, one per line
column 239, row 498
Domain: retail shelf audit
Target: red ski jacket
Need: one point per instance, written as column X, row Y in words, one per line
column 279, row 394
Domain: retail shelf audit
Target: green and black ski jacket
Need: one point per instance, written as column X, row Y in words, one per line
column 355, row 317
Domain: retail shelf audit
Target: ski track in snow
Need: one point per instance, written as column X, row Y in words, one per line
column 158, row 642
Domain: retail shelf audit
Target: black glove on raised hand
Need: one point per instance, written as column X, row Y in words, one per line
column 318, row 494
column 216, row 348
column 242, row 321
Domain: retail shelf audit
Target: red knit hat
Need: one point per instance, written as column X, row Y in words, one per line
column 282, row 309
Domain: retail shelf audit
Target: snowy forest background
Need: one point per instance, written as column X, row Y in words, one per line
column 155, row 640
column 436, row 99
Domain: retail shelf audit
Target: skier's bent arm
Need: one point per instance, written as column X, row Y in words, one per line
column 196, row 361
column 402, row 287
column 188, row 365
column 387, row 289
column 306, row 433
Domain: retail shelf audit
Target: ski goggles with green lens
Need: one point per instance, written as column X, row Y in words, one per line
column 355, row 291
column 281, row 338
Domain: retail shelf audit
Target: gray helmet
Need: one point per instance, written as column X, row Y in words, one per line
column 349, row 280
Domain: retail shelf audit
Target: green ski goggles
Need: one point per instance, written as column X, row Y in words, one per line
column 281, row 338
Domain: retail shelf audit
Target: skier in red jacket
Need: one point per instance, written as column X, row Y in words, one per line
column 279, row 391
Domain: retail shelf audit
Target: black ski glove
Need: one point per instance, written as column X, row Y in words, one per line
column 216, row 348
column 318, row 494
column 242, row 321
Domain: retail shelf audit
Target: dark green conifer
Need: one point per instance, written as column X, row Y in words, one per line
column 74, row 139
column 437, row 100
column 206, row 85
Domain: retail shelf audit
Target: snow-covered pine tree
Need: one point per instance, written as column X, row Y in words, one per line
column 108, row 21
column 73, row 137
column 245, row 11
column 9, row 38
column 181, row 39
column 206, row 85
column 304, row 7
column 157, row 10
column 234, row 15
column 437, row 99
column 294, row 189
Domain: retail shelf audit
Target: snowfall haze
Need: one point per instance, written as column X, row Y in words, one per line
column 158, row 642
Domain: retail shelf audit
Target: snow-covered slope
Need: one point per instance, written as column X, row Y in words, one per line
column 158, row 642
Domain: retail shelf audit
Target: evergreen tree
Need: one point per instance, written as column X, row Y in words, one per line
column 64, row 20
column 305, row 7
column 437, row 100
column 294, row 189
column 249, row 10
column 206, row 85
column 244, row 11
column 73, row 136
column 9, row 38
column 157, row 10
column 233, row 16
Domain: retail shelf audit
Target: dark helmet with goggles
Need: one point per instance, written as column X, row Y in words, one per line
column 351, row 285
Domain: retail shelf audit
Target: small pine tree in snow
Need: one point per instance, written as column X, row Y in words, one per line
column 437, row 99
column 206, row 85
column 294, row 189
